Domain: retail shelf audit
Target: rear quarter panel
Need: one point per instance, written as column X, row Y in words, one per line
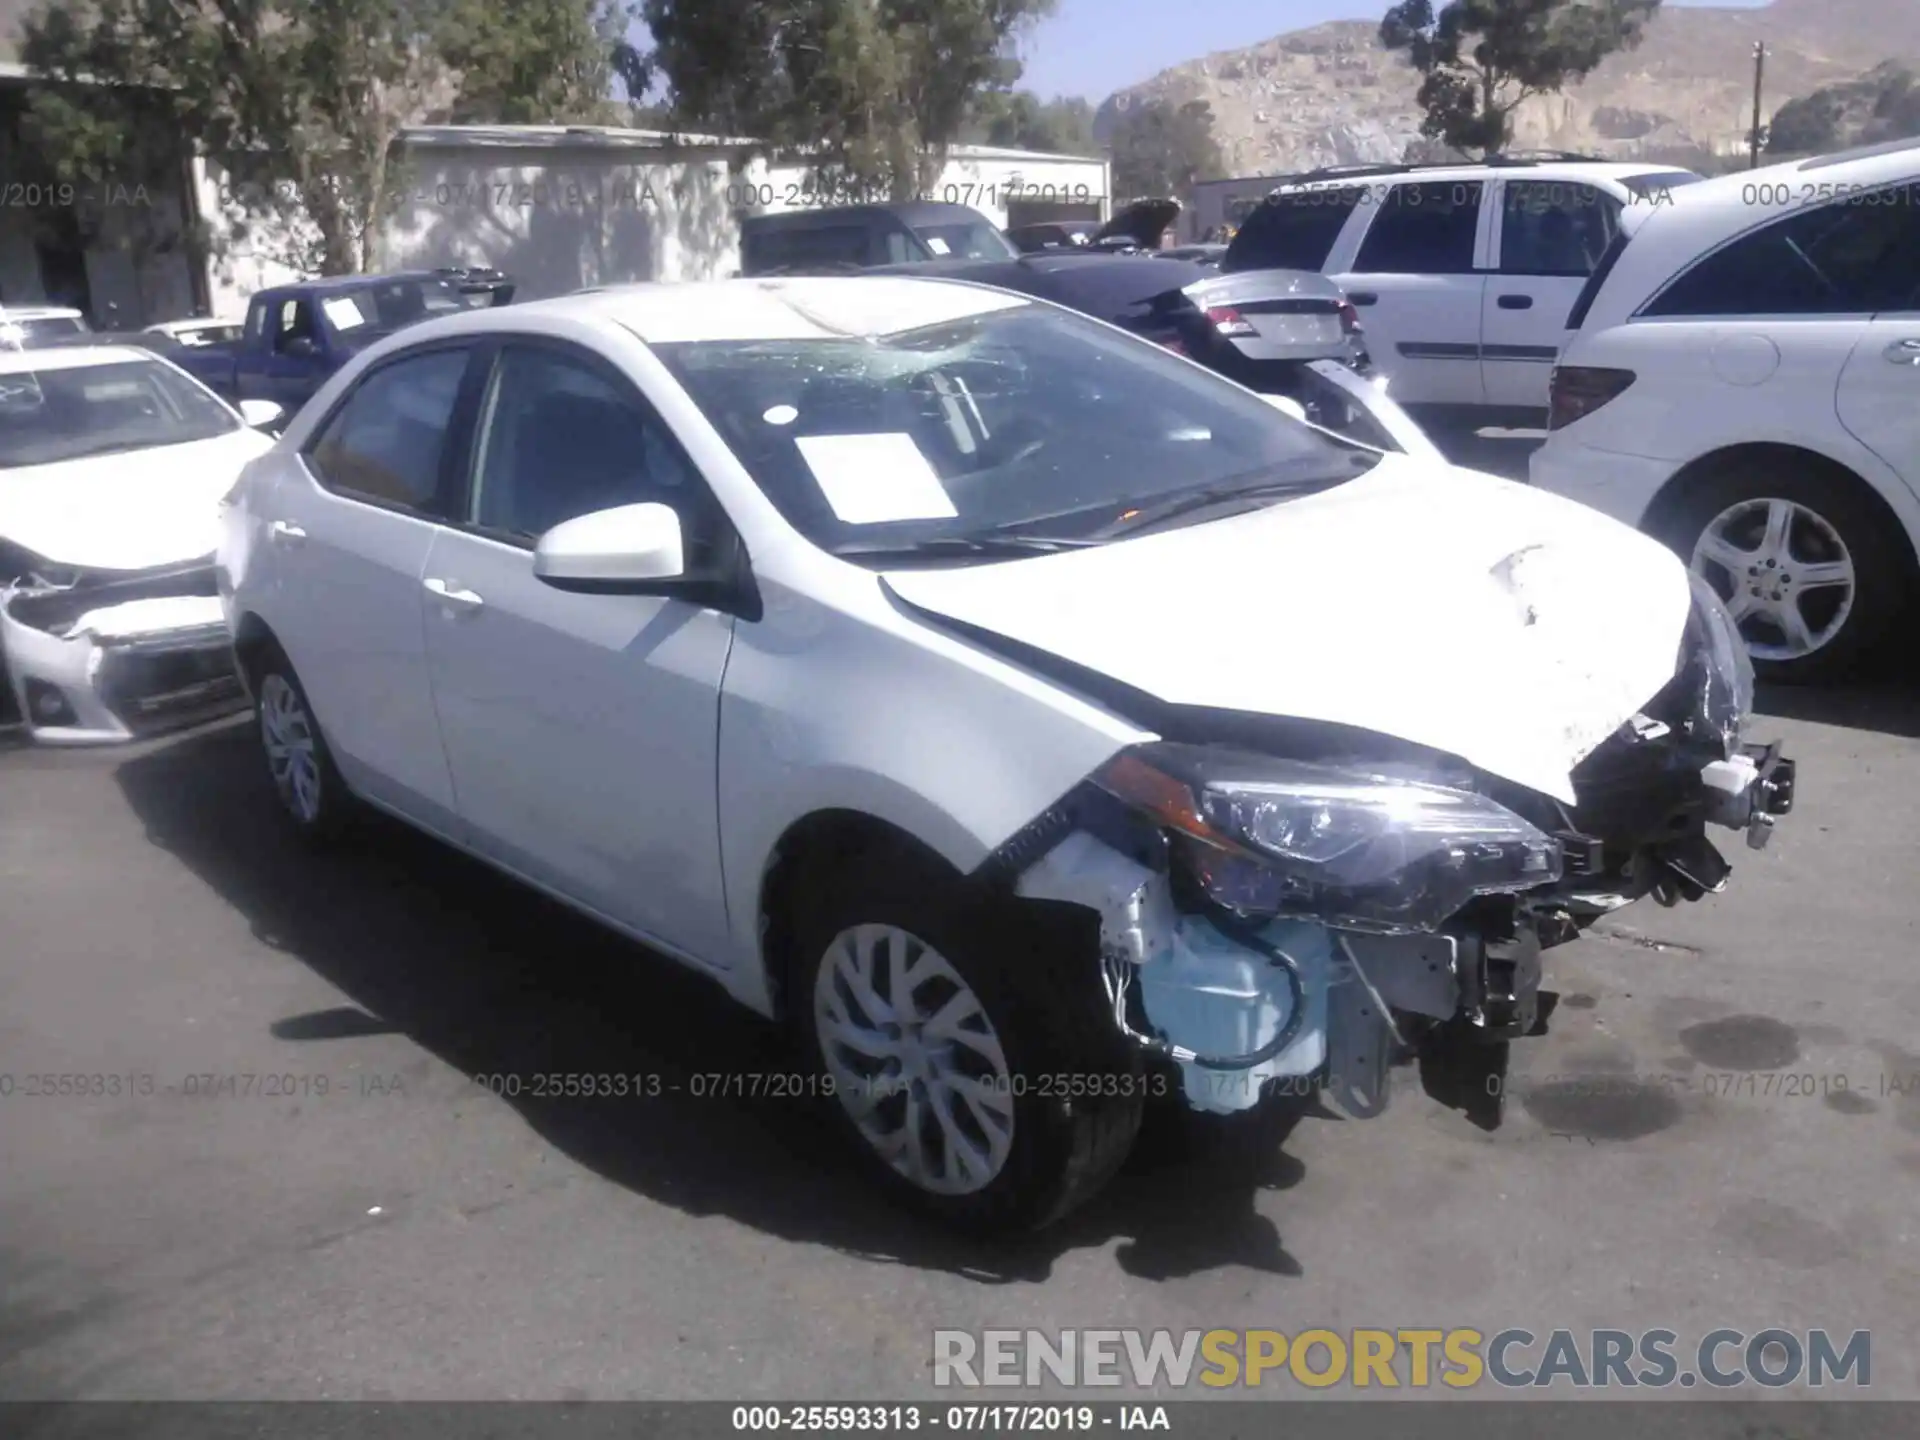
column 1708, row 386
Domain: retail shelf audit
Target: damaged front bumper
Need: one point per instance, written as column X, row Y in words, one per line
column 109, row 658
column 1266, row 918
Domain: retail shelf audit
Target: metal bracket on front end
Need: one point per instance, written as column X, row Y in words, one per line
column 1772, row 792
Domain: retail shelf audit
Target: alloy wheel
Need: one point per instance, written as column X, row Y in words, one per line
column 1785, row 573
column 914, row 1059
column 293, row 756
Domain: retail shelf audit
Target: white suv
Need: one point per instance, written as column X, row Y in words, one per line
column 1462, row 274
column 1028, row 713
column 1743, row 382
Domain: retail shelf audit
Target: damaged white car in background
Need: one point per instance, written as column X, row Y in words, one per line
column 1036, row 719
column 113, row 464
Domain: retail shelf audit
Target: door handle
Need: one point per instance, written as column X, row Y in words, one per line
column 286, row 532
column 1364, row 297
column 1904, row 352
column 453, row 595
column 1516, row 302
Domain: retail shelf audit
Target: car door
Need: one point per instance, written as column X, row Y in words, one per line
column 582, row 730
column 1414, row 281
column 1879, row 394
column 282, row 368
column 1548, row 237
column 348, row 536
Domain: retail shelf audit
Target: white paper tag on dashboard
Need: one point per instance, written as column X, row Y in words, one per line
column 871, row 479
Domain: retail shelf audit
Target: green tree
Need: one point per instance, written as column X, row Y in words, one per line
column 875, row 91
column 1160, row 148
column 534, row 62
column 1881, row 105
column 298, row 103
column 1480, row 59
column 1022, row 120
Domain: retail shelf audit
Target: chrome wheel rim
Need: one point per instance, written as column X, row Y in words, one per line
column 1785, row 573
column 293, row 757
column 914, row 1060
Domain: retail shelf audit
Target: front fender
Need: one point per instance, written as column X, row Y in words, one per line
column 876, row 713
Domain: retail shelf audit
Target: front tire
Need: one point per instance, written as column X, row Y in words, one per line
column 964, row 1043
column 299, row 766
column 1811, row 571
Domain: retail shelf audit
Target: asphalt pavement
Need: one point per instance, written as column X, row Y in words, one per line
column 1722, row 1128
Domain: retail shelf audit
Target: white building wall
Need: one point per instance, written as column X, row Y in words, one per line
column 1007, row 186
column 559, row 209
column 247, row 252
column 558, row 219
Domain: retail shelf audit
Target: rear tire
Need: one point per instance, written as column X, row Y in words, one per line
column 1009, row 1010
column 312, row 795
column 1811, row 522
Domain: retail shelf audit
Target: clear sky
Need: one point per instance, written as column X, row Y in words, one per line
column 1094, row 47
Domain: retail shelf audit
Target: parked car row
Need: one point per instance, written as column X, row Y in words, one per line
column 1033, row 718
column 1731, row 365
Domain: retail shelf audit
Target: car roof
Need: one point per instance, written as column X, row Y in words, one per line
column 813, row 307
column 1692, row 219
column 332, row 284
column 76, row 357
column 1175, row 273
column 1570, row 168
column 908, row 212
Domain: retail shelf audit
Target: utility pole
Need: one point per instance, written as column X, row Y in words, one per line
column 1759, row 77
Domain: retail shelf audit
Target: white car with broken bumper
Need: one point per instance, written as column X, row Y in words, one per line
column 113, row 464
column 1035, row 719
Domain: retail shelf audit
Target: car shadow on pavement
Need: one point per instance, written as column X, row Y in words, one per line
column 496, row 980
column 1891, row 706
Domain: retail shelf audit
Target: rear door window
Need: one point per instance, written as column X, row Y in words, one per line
column 386, row 441
column 1855, row 257
column 1424, row 228
column 1555, row 227
column 775, row 249
column 1295, row 231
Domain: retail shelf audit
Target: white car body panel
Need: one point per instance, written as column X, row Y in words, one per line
column 1314, row 609
column 841, row 698
column 1466, row 349
column 580, row 735
column 1817, row 383
column 339, row 582
column 1879, row 396
column 128, row 511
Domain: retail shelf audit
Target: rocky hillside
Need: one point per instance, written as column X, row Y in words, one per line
column 1332, row 96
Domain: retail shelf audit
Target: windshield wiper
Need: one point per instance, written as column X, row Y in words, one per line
column 992, row 546
column 1208, row 496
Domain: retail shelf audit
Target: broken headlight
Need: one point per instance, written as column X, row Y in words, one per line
column 1264, row 836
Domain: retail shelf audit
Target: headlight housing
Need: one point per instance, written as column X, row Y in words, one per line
column 1264, row 836
column 1727, row 698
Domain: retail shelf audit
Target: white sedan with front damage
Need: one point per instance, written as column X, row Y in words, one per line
column 113, row 464
column 1036, row 720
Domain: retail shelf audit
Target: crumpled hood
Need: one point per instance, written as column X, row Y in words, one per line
column 1448, row 608
column 127, row 511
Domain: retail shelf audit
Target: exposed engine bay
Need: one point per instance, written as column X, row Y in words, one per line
column 1282, row 898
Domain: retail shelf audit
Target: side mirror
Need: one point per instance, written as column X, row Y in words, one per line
column 1288, row 405
column 629, row 549
column 260, row 413
column 301, row 347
